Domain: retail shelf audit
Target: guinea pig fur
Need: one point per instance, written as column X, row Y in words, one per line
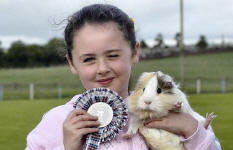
column 154, row 96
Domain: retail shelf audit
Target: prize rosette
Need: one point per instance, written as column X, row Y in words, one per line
column 111, row 111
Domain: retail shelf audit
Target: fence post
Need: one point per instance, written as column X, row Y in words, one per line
column 1, row 92
column 198, row 86
column 59, row 86
column 223, row 86
column 31, row 91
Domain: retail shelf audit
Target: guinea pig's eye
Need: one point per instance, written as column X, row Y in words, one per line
column 159, row 90
column 143, row 89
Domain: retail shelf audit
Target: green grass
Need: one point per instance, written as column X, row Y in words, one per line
column 222, row 105
column 18, row 118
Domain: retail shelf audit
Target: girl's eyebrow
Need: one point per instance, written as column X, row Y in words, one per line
column 113, row 50
column 106, row 52
column 86, row 55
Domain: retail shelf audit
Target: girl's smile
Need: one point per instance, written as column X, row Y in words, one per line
column 105, row 82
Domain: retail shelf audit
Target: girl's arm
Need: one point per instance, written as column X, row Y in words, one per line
column 202, row 139
column 196, row 137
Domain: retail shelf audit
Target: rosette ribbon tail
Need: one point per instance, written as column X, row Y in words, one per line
column 93, row 140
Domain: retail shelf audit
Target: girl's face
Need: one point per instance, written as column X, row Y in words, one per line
column 102, row 57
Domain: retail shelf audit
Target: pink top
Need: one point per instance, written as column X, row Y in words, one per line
column 48, row 135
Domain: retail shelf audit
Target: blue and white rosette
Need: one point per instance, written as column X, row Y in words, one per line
column 119, row 109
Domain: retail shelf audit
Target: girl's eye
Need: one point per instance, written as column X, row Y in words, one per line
column 159, row 90
column 143, row 89
column 89, row 59
column 113, row 56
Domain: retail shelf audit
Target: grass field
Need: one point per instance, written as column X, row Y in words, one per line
column 210, row 68
column 18, row 118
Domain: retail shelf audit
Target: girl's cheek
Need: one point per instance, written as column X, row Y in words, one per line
column 122, row 66
column 87, row 72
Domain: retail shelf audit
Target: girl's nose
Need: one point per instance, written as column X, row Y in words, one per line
column 103, row 68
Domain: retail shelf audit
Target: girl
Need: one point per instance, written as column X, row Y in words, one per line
column 101, row 49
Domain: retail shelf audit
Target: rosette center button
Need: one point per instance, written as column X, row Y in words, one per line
column 103, row 111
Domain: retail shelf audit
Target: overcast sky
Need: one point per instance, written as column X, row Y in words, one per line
column 34, row 21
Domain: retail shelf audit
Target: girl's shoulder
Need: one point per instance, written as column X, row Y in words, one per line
column 61, row 111
column 73, row 100
column 50, row 127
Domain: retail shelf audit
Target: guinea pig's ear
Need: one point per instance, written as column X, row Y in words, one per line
column 143, row 76
column 159, row 73
column 165, row 82
column 167, row 85
column 143, row 79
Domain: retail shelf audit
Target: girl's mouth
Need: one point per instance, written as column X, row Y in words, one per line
column 105, row 82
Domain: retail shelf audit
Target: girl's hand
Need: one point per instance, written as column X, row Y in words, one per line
column 178, row 123
column 77, row 124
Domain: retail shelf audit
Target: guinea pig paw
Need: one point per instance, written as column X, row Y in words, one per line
column 209, row 119
column 177, row 106
column 210, row 116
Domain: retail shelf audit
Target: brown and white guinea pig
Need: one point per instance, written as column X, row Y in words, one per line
column 154, row 96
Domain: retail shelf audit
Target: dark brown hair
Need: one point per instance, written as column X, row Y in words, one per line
column 99, row 13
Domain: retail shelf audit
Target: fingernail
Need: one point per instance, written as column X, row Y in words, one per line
column 95, row 117
column 145, row 123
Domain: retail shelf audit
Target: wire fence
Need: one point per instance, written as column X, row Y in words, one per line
column 58, row 91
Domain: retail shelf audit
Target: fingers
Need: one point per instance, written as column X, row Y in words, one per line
column 86, row 124
column 162, row 119
column 77, row 112
column 85, row 117
column 164, row 122
column 81, row 119
column 159, row 124
column 177, row 107
column 85, row 131
column 152, row 120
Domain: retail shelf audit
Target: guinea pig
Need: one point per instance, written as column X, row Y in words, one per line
column 155, row 95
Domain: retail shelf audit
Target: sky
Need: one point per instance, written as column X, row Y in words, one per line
column 37, row 21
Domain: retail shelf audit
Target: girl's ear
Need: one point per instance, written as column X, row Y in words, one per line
column 136, row 53
column 72, row 67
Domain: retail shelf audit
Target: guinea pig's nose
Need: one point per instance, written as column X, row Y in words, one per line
column 148, row 102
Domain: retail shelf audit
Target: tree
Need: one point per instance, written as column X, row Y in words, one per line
column 35, row 55
column 159, row 39
column 22, row 55
column 202, row 43
column 17, row 55
column 54, row 52
column 143, row 44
